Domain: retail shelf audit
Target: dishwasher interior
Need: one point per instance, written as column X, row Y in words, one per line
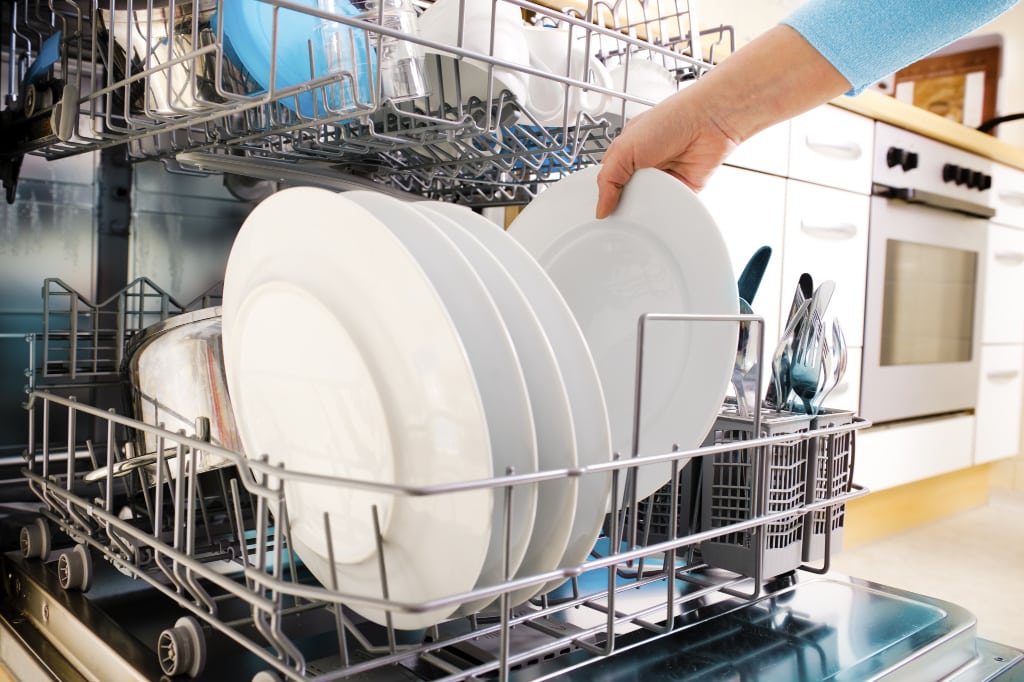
column 134, row 145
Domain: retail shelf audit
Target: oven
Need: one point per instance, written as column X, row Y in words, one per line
column 926, row 261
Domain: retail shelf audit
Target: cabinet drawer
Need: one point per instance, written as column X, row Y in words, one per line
column 999, row 403
column 888, row 456
column 768, row 151
column 826, row 235
column 1003, row 313
column 1008, row 195
column 829, row 146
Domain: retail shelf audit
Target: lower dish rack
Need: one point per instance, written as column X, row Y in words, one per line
column 217, row 544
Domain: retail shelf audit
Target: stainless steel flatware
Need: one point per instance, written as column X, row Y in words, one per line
column 752, row 274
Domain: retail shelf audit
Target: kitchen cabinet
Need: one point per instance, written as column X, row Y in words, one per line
column 1008, row 195
column 826, row 235
column 889, row 456
column 767, row 151
column 1003, row 314
column 832, row 147
column 748, row 207
column 1000, row 381
column 997, row 434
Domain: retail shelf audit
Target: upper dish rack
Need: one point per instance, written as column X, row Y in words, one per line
column 187, row 94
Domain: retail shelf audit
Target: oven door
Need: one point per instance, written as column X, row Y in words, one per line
column 923, row 311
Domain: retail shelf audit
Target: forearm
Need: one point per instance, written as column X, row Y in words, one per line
column 866, row 40
column 772, row 79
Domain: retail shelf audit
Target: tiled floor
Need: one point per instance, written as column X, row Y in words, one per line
column 974, row 559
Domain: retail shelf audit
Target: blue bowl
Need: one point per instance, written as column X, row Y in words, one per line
column 248, row 41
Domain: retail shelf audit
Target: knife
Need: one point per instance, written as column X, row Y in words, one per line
column 804, row 291
column 753, row 271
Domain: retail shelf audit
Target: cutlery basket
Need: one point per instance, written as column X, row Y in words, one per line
column 829, row 473
column 739, row 485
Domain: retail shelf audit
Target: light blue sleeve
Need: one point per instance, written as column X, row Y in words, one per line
column 866, row 40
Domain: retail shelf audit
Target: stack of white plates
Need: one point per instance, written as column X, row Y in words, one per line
column 418, row 344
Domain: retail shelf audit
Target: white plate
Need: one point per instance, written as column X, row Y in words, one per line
column 549, row 400
column 576, row 367
column 342, row 360
column 494, row 357
column 660, row 252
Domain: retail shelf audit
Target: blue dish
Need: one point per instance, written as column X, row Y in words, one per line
column 248, row 39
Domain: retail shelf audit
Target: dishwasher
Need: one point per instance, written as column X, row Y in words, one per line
column 136, row 138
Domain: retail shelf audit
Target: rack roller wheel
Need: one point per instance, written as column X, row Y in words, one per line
column 35, row 540
column 182, row 648
column 265, row 676
column 74, row 569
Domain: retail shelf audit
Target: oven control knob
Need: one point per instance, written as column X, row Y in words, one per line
column 894, row 157
column 949, row 172
column 909, row 161
column 963, row 175
column 974, row 181
column 986, row 182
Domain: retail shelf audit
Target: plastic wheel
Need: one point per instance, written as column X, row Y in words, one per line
column 35, row 540
column 182, row 648
column 265, row 676
column 74, row 569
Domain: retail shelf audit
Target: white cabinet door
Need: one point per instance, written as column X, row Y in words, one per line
column 999, row 403
column 767, row 151
column 895, row 454
column 748, row 208
column 1003, row 320
column 826, row 235
column 1008, row 195
column 830, row 146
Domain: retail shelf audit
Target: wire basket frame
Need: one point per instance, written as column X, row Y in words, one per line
column 218, row 544
column 166, row 87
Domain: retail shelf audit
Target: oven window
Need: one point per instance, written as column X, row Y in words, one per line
column 928, row 313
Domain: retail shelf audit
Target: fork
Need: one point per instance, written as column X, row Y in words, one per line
column 811, row 364
column 817, row 371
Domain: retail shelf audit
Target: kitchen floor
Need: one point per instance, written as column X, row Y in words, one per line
column 974, row 559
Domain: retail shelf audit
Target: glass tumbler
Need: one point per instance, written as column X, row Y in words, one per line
column 401, row 61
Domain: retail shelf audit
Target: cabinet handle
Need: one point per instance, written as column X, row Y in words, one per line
column 833, row 231
column 1011, row 196
column 1010, row 257
column 1004, row 375
column 841, row 150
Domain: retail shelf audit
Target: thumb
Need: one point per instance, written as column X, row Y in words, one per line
column 610, row 181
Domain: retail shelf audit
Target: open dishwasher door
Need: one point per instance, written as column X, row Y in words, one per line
column 123, row 559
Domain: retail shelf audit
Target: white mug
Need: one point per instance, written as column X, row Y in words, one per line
column 562, row 52
column 440, row 23
column 644, row 79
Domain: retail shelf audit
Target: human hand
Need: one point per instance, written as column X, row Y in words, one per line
column 679, row 136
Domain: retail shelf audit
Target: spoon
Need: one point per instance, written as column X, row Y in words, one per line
column 747, row 365
column 804, row 291
column 782, row 357
column 838, row 351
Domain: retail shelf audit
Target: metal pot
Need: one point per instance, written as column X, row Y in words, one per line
column 175, row 374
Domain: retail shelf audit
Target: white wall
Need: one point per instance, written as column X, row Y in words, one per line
column 751, row 18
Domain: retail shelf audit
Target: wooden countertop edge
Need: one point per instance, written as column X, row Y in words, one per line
column 883, row 108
